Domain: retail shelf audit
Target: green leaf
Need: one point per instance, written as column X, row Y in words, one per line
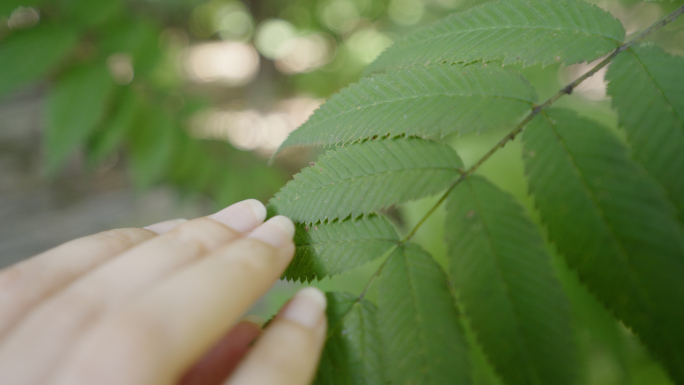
column 508, row 288
column 192, row 165
column 646, row 85
column 527, row 31
column 76, row 105
column 613, row 225
column 8, row 6
column 419, row 324
column 352, row 352
column 328, row 249
column 139, row 38
column 114, row 131
column 152, row 141
column 28, row 55
column 424, row 101
column 88, row 12
column 366, row 177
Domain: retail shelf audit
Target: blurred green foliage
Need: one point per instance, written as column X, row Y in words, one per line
column 116, row 86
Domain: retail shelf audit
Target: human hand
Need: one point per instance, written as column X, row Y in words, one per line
column 160, row 305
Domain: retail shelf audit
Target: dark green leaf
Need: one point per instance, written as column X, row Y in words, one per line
column 528, row 31
column 28, row 55
column 114, row 131
column 646, row 85
column 421, row 331
column 352, row 353
column 152, row 142
column 328, row 249
column 76, row 105
column 613, row 225
column 509, row 291
column 425, row 101
column 366, row 177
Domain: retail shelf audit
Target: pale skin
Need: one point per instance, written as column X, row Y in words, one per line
column 160, row 305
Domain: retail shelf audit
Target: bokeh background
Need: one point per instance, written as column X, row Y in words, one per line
column 117, row 113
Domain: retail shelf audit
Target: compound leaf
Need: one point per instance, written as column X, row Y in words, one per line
column 352, row 352
column 327, row 249
column 423, row 101
column 27, row 55
column 646, row 85
column 528, row 31
column 76, row 105
column 419, row 323
column 365, row 177
column 508, row 288
column 613, row 225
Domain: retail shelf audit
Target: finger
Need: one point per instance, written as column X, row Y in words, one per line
column 170, row 327
column 114, row 283
column 27, row 283
column 288, row 351
column 166, row 226
column 222, row 359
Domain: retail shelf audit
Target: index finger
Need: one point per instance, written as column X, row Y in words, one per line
column 27, row 283
column 168, row 328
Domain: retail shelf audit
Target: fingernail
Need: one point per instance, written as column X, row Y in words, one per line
column 162, row 227
column 306, row 308
column 242, row 216
column 277, row 231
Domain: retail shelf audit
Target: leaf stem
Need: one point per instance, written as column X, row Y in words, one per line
column 567, row 90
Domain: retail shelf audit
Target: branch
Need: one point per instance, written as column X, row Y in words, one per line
column 567, row 90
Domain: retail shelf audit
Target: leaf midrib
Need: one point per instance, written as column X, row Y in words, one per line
column 658, row 88
column 393, row 241
column 417, row 318
column 498, row 27
column 497, row 256
column 363, row 107
column 369, row 176
column 616, row 240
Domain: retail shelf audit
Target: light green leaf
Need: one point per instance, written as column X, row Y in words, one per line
column 613, row 225
column 366, row 177
column 646, row 85
column 28, row 55
column 328, row 249
column 527, row 31
column 508, row 288
column 114, row 131
column 352, row 352
column 76, row 105
column 424, row 101
column 152, row 142
column 419, row 324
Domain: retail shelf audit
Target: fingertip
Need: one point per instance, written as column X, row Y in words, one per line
column 257, row 207
column 242, row 216
column 306, row 308
column 277, row 231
